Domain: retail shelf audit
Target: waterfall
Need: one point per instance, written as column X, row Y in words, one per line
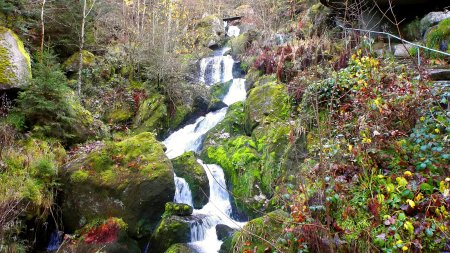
column 217, row 68
column 233, row 31
column 182, row 193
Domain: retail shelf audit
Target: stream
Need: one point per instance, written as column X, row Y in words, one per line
column 214, row 69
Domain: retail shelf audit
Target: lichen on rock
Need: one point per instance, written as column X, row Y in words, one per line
column 15, row 62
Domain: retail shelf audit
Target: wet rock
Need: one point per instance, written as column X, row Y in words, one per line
column 187, row 167
column 179, row 209
column 223, row 231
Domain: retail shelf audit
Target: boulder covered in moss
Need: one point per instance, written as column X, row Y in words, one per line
column 119, row 112
column 72, row 64
column 438, row 37
column 267, row 103
column 179, row 209
column 131, row 179
column 180, row 248
column 269, row 227
column 15, row 62
column 187, row 167
column 108, row 236
column 152, row 115
column 171, row 230
column 210, row 31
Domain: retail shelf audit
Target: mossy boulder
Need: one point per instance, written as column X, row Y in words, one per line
column 15, row 62
column 131, row 179
column 72, row 64
column 171, row 230
column 109, row 236
column 231, row 126
column 269, row 227
column 179, row 209
column 187, row 167
column 119, row 112
column 209, row 31
column 180, row 248
column 267, row 103
column 439, row 36
column 240, row 43
column 152, row 115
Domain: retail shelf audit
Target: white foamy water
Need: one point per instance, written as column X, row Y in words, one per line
column 233, row 31
column 218, row 68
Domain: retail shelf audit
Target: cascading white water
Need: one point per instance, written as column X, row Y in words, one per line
column 218, row 68
column 189, row 137
column 236, row 93
column 183, row 193
column 233, row 31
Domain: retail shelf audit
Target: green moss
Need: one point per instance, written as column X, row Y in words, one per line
column 267, row 103
column 239, row 44
column 179, row 209
column 180, row 248
column 71, row 64
column 170, row 230
column 79, row 176
column 220, row 90
column 151, row 115
column 120, row 112
column 181, row 112
column 439, row 34
column 5, row 66
column 268, row 227
column 187, row 167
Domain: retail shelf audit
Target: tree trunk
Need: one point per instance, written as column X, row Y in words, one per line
column 42, row 26
column 80, row 63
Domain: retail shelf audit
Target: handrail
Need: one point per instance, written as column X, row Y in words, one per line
column 398, row 38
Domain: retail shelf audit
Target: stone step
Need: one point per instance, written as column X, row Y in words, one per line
column 440, row 74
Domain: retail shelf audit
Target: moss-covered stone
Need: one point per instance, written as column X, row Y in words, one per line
column 267, row 103
column 109, row 236
column 119, row 112
column 180, row 115
column 219, row 90
column 73, row 62
column 171, row 230
column 187, row 167
column 239, row 44
column 209, row 31
column 269, row 227
column 15, row 62
column 439, row 36
column 152, row 115
column 179, row 209
column 131, row 179
column 180, row 248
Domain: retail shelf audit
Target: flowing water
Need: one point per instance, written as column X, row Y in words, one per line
column 217, row 68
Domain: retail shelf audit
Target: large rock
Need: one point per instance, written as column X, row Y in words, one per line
column 108, row 236
column 267, row 103
column 179, row 209
column 15, row 63
column 152, row 115
column 402, row 50
column 210, row 31
column 171, row 230
column 223, row 231
column 72, row 64
column 132, row 180
column 432, row 19
column 187, row 167
column 439, row 74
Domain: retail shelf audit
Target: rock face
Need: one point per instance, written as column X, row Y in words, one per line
column 186, row 166
column 266, row 102
column 433, row 18
column 210, row 31
column 107, row 236
column 73, row 62
column 171, row 230
column 224, row 231
column 131, row 180
column 15, row 63
column 152, row 115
